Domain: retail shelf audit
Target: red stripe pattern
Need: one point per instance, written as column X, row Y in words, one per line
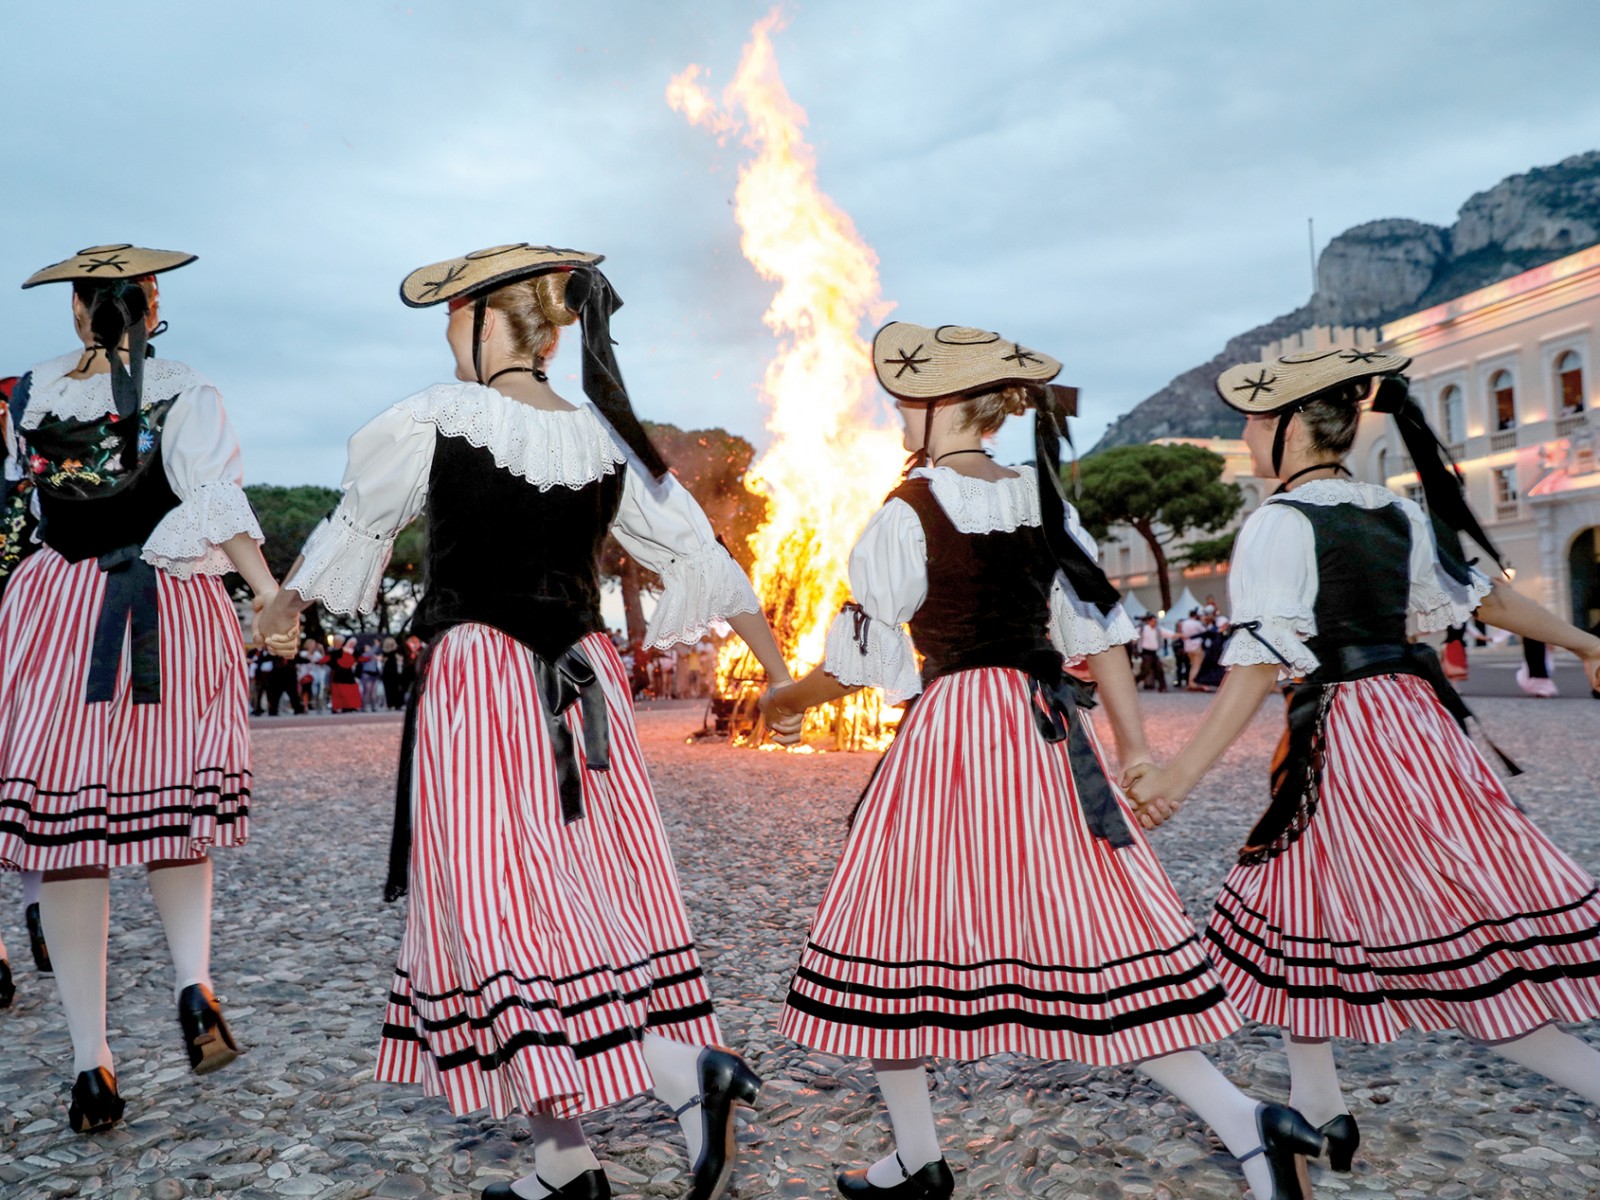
column 117, row 784
column 536, row 953
column 1419, row 897
column 973, row 912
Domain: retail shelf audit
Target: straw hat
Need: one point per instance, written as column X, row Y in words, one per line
column 917, row 363
column 120, row 261
column 485, row 270
column 1268, row 387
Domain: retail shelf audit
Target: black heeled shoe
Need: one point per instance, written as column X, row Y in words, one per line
column 36, row 942
column 725, row 1082
column 932, row 1181
column 8, row 989
column 1285, row 1134
column 591, row 1185
column 206, row 1035
column 95, row 1104
column 1343, row 1136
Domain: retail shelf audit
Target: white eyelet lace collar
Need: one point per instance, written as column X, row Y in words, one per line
column 549, row 448
column 1339, row 491
column 52, row 394
column 984, row 505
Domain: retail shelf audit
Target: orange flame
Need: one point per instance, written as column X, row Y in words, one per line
column 833, row 456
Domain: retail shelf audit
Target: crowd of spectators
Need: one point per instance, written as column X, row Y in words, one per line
column 363, row 673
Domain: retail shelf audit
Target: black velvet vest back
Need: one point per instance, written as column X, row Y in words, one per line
column 1362, row 600
column 988, row 599
column 503, row 553
column 89, row 503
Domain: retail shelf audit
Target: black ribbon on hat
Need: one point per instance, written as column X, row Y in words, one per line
column 591, row 296
column 1058, row 705
column 1089, row 582
column 130, row 598
column 1441, row 478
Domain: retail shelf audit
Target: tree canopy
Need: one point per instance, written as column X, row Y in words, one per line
column 1162, row 491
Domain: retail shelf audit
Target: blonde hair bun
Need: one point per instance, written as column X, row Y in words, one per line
column 551, row 291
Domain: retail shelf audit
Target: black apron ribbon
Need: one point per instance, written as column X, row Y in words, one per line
column 570, row 679
column 1297, row 763
column 131, row 596
column 1059, row 706
column 1088, row 580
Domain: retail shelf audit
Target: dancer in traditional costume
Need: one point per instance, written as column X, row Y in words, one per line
column 547, row 965
column 124, row 747
column 1392, row 883
column 994, row 895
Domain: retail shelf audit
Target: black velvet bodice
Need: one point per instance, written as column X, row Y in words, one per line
column 988, row 601
column 1362, row 598
column 504, row 553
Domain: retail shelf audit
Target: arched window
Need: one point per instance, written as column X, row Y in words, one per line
column 1453, row 415
column 1569, row 382
column 1503, row 394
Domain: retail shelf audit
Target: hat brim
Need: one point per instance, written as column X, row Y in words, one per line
column 1261, row 388
column 101, row 263
column 922, row 365
column 488, row 269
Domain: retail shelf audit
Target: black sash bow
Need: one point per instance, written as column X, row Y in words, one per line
column 130, row 598
column 1059, row 708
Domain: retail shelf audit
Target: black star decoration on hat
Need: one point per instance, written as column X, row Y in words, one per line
column 110, row 262
column 1360, row 356
column 906, row 362
column 1261, row 383
column 431, row 287
column 1023, row 358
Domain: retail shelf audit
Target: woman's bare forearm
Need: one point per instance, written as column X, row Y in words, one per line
column 1114, row 677
column 1507, row 608
column 1238, row 700
column 757, row 634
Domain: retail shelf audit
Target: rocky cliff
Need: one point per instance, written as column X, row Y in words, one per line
column 1385, row 269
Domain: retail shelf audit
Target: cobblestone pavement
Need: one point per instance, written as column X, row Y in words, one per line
column 304, row 948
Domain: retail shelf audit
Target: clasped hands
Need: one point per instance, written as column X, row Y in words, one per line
column 1156, row 793
column 275, row 625
column 783, row 723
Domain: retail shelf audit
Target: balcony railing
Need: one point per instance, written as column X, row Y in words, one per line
column 1507, row 510
column 1571, row 423
column 1502, row 441
column 1458, row 450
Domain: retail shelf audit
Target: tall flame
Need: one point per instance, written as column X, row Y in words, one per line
column 832, row 458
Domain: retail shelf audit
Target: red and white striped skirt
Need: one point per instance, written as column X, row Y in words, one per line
column 974, row 913
column 1419, row 895
column 115, row 784
column 536, row 953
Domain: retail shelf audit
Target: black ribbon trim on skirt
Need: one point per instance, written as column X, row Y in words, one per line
column 181, row 829
column 205, row 790
column 1439, row 967
column 1297, row 763
column 1456, row 994
column 553, row 981
column 855, row 988
column 966, row 1022
column 986, row 964
column 570, row 679
column 507, row 1003
column 130, row 596
column 1402, row 947
column 1059, row 706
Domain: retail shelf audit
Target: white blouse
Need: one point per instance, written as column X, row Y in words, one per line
column 1273, row 575
column 889, row 580
column 386, row 485
column 199, row 452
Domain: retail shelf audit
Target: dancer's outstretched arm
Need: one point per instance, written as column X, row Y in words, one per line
column 1157, row 792
column 1114, row 677
column 1507, row 608
column 784, row 707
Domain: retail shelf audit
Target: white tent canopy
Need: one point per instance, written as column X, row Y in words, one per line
column 1180, row 609
column 1133, row 606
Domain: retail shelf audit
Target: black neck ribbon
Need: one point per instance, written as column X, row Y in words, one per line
column 1089, row 582
column 1441, row 478
column 591, row 296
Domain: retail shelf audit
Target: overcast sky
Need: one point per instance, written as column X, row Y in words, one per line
column 1123, row 185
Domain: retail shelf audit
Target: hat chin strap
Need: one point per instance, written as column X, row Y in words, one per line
column 479, row 307
column 1280, row 439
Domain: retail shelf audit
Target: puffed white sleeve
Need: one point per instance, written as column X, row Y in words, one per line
column 385, row 486
column 200, row 454
column 700, row 583
column 1437, row 598
column 1272, row 589
column 1077, row 627
column 867, row 644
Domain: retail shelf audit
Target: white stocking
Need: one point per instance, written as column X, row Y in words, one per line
column 560, row 1154
column 183, row 898
column 675, row 1073
column 1192, row 1078
column 1313, row 1079
column 1559, row 1057
column 904, row 1084
column 76, row 914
